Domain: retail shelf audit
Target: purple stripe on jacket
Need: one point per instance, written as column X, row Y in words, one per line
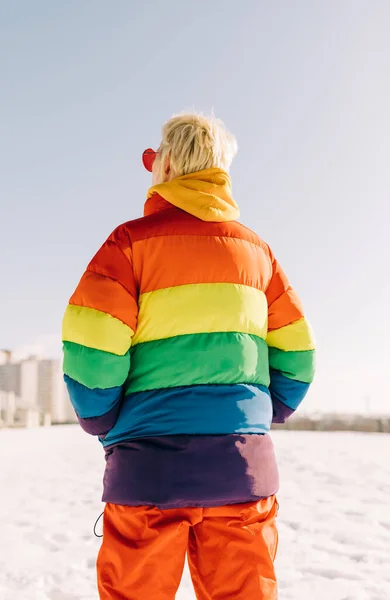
column 100, row 425
column 184, row 470
column 281, row 411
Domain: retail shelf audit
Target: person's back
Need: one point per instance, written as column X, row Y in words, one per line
column 182, row 342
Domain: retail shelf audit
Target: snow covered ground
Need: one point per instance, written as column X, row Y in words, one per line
column 334, row 518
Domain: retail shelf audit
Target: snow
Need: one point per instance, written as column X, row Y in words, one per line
column 334, row 519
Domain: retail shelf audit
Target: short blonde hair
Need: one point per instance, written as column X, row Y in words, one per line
column 194, row 142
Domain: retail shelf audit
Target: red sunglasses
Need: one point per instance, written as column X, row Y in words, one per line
column 148, row 158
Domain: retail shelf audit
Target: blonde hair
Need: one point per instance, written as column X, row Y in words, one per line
column 194, row 142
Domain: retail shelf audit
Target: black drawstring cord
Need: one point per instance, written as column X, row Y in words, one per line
column 94, row 527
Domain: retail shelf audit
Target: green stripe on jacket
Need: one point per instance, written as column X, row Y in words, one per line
column 198, row 359
column 95, row 368
column 299, row 366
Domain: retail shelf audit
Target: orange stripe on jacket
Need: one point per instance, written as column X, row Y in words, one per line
column 107, row 295
column 112, row 262
column 169, row 261
column 285, row 310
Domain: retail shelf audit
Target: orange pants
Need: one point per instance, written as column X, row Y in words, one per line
column 231, row 552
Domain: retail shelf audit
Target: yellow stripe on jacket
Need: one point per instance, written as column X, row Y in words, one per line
column 201, row 308
column 295, row 337
column 96, row 329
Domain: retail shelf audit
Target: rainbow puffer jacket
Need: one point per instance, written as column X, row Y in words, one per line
column 182, row 343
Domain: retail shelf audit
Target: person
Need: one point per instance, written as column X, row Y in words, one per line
column 182, row 343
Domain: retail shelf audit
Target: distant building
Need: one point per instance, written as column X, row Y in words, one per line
column 9, row 373
column 53, row 393
column 33, row 392
column 7, row 409
column 5, row 357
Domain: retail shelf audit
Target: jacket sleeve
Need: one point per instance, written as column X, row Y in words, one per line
column 98, row 327
column 291, row 348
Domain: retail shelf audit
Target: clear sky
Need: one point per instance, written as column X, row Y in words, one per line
column 305, row 87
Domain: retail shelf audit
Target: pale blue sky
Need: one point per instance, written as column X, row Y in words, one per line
column 303, row 84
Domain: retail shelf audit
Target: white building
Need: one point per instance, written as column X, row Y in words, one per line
column 7, row 408
column 53, row 393
column 33, row 392
column 9, row 373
